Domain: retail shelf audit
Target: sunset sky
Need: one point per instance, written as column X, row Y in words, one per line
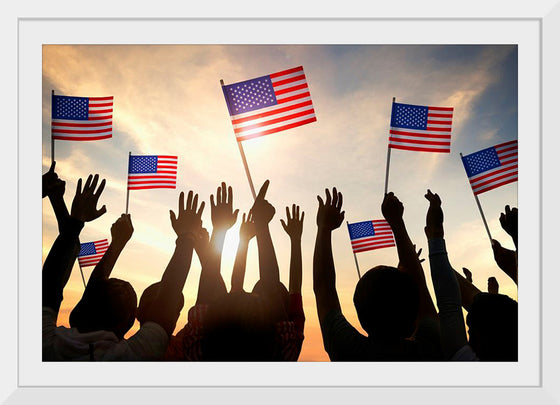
column 168, row 100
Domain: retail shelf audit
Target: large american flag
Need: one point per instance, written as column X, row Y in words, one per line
column 421, row 128
column 269, row 104
column 369, row 235
column 82, row 118
column 91, row 252
column 153, row 171
column 492, row 167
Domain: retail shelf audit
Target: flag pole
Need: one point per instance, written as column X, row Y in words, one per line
column 83, row 279
column 355, row 258
column 480, row 209
column 388, row 160
column 245, row 165
column 52, row 139
column 127, row 188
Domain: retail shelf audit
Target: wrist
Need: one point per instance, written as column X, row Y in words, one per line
column 185, row 238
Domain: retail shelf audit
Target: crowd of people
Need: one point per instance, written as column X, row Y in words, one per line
column 393, row 304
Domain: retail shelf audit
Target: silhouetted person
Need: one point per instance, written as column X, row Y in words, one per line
column 493, row 286
column 393, row 305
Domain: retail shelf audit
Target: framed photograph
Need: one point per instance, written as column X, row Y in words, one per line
column 166, row 77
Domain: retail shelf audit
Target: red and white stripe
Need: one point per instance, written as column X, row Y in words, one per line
column 98, row 126
column 435, row 138
column 165, row 177
column 101, row 247
column 294, row 108
column 504, row 174
column 383, row 238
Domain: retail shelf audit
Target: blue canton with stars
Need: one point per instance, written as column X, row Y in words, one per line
column 87, row 249
column 361, row 229
column 249, row 95
column 481, row 161
column 409, row 116
column 142, row 164
column 70, row 108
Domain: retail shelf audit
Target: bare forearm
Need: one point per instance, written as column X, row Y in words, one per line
column 105, row 266
column 59, row 262
column 411, row 264
column 238, row 274
column 268, row 265
column 295, row 267
column 60, row 210
column 324, row 277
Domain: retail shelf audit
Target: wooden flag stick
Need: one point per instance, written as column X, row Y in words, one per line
column 480, row 209
column 245, row 165
column 388, row 160
column 127, row 188
column 355, row 258
column 52, row 140
column 83, row 279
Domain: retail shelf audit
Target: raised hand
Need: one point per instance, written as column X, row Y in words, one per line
column 493, row 286
column 247, row 230
column 508, row 220
column 85, row 201
column 223, row 216
column 392, row 208
column 294, row 227
column 505, row 259
column 468, row 274
column 53, row 186
column 434, row 217
column 121, row 231
column 188, row 219
column 329, row 216
column 418, row 253
column 262, row 210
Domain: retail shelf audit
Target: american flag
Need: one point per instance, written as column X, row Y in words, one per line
column 492, row 167
column 82, row 118
column 156, row 171
column 92, row 252
column 369, row 235
column 421, row 128
column 269, row 104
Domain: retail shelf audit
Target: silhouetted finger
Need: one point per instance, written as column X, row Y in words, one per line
column 88, row 182
column 284, row 225
column 302, row 215
column 321, row 203
column 94, row 183
column 189, row 201
column 288, row 213
column 339, row 202
column 224, row 193
column 53, row 164
column 79, row 187
column 230, row 195
column 263, row 190
column 212, row 201
column 195, row 202
column 100, row 189
column 181, row 202
column 328, row 200
column 201, row 209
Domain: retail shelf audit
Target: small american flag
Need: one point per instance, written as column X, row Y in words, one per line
column 157, row 171
column 369, row 235
column 92, row 252
column 82, row 118
column 492, row 167
column 269, row 104
column 421, row 128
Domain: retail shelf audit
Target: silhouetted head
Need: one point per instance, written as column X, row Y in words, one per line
column 237, row 328
column 492, row 322
column 386, row 301
column 107, row 304
column 277, row 292
column 147, row 299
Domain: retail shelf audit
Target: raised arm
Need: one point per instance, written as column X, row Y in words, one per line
column 121, row 232
column 60, row 260
column 409, row 260
column 329, row 218
column 446, row 286
column 211, row 284
column 294, row 229
column 263, row 212
column 186, row 224
column 505, row 259
column 246, row 233
column 508, row 220
column 53, row 187
column 468, row 289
